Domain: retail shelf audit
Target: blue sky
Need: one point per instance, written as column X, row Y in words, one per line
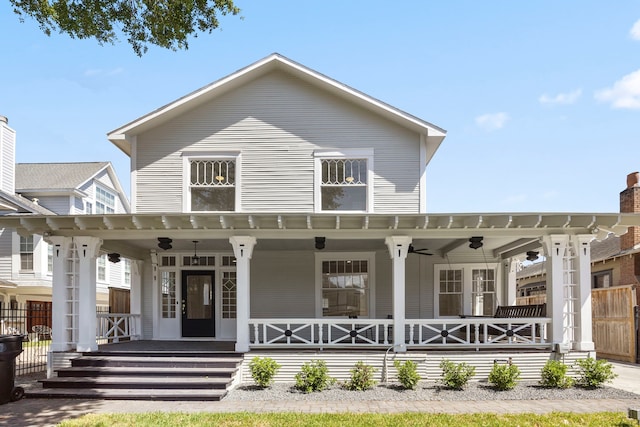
column 541, row 100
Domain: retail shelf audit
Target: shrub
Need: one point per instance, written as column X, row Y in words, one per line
column 504, row 377
column 407, row 373
column 263, row 370
column 456, row 375
column 554, row 374
column 361, row 377
column 313, row 376
column 594, row 373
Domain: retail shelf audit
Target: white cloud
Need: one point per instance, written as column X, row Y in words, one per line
column 625, row 93
column 561, row 98
column 492, row 121
column 635, row 31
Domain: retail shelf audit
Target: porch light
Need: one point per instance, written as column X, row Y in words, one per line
column 194, row 259
column 475, row 242
column 532, row 255
column 114, row 257
column 320, row 242
column 164, row 243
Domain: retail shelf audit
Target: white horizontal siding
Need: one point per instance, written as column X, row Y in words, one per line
column 7, row 154
column 340, row 363
column 6, row 242
column 57, row 204
column 277, row 122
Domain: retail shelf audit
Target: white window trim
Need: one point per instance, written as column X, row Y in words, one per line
column 106, row 189
column 466, row 284
column 187, row 156
column 361, row 153
column 370, row 257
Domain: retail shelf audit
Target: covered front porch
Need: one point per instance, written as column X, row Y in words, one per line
column 322, row 282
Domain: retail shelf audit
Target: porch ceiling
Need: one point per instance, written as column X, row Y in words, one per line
column 504, row 234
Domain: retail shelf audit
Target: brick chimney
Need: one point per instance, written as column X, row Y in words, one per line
column 630, row 203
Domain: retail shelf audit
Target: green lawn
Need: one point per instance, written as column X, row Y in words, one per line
column 157, row 419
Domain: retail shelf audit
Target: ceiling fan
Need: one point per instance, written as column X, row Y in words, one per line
column 422, row 251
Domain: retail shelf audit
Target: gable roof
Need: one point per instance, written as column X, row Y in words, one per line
column 16, row 204
column 32, row 177
column 121, row 136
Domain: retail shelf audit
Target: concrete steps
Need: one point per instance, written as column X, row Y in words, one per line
column 138, row 375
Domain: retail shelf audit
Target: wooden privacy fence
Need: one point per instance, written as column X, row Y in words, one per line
column 614, row 329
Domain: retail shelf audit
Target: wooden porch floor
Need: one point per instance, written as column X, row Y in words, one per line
column 174, row 346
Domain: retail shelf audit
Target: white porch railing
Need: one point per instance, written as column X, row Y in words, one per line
column 116, row 326
column 475, row 333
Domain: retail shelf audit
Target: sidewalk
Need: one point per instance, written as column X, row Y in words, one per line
column 49, row 412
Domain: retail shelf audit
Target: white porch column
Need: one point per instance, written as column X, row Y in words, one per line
column 87, row 248
column 60, row 338
column 242, row 249
column 398, row 248
column 135, row 298
column 583, row 332
column 556, row 247
column 511, row 292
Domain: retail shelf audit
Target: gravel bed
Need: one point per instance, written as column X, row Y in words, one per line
column 426, row 391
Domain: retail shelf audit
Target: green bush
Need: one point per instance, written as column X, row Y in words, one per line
column 407, row 373
column 313, row 376
column 594, row 373
column 554, row 374
column 504, row 377
column 263, row 370
column 361, row 377
column 456, row 375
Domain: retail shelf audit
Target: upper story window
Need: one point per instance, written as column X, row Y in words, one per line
column 212, row 184
column 105, row 201
column 26, row 252
column 344, row 181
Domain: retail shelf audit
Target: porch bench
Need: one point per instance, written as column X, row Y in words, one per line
column 518, row 311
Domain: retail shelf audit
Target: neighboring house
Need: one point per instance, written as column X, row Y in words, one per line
column 280, row 209
column 52, row 189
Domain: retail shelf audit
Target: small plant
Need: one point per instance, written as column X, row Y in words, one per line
column 504, row 377
column 313, row 376
column 361, row 377
column 456, row 375
column 407, row 373
column 594, row 373
column 263, row 370
column 554, row 374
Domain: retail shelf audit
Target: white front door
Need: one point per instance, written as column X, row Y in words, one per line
column 227, row 319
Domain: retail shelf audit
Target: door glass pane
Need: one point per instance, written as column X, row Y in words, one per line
column 168, row 288
column 199, row 297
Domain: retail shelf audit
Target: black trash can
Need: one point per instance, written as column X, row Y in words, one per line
column 10, row 348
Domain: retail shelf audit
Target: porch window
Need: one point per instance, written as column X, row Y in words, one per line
column 345, row 288
column 343, row 180
column 49, row 258
column 26, row 253
column 469, row 289
column 212, row 185
column 168, row 292
column 228, row 294
column 450, row 296
column 102, row 268
column 483, row 296
column 127, row 272
column 105, row 201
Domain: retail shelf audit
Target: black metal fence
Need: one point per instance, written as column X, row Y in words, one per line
column 33, row 321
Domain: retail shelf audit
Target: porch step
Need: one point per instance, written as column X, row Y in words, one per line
column 158, row 375
column 96, row 371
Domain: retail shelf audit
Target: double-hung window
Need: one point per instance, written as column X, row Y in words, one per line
column 344, row 181
column 101, row 270
column 468, row 289
column 212, row 184
column 105, row 201
column 26, row 253
column 345, row 285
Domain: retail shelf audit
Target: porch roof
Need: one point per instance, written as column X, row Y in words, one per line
column 510, row 233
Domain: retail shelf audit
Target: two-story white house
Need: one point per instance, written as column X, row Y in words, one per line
column 26, row 259
column 280, row 209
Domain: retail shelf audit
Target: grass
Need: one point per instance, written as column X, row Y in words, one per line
column 41, row 343
column 290, row 419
